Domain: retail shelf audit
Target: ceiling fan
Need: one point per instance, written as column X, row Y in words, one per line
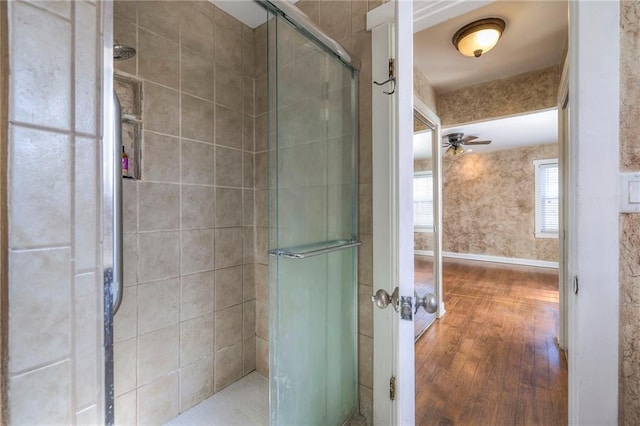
column 454, row 141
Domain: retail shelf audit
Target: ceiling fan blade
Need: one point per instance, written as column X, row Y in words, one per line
column 468, row 138
column 476, row 143
column 444, row 145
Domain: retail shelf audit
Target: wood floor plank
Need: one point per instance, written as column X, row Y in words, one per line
column 493, row 358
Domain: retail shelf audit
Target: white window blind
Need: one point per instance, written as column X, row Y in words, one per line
column 547, row 204
column 423, row 200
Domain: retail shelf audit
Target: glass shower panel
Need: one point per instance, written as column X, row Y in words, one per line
column 313, row 363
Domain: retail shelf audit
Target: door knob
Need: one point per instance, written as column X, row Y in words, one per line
column 428, row 302
column 382, row 299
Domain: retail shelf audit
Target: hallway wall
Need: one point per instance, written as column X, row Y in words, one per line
column 629, row 400
column 530, row 91
column 488, row 203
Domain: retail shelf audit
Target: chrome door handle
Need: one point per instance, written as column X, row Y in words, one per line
column 382, row 299
column 429, row 302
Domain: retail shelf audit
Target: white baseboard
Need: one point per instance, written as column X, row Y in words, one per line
column 498, row 259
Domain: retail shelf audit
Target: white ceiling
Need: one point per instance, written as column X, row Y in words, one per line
column 505, row 133
column 534, row 38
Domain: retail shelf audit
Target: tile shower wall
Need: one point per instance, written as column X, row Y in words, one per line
column 186, row 328
column 55, row 288
column 261, row 197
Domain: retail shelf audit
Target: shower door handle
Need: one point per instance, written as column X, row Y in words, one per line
column 117, row 206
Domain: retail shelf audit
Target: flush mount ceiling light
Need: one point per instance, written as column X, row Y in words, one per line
column 478, row 37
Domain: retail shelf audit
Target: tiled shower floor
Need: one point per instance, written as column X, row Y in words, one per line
column 246, row 402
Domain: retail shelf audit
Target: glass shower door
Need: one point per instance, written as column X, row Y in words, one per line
column 313, row 262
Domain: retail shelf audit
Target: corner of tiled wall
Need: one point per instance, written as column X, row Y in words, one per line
column 186, row 328
column 629, row 398
column 55, row 284
column 261, row 199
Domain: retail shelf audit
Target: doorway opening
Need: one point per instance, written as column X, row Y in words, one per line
column 496, row 351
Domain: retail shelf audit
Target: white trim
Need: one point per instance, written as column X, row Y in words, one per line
column 436, row 173
column 381, row 15
column 423, row 229
column 384, row 324
column 402, row 190
column 427, row 14
column 423, row 252
column 594, row 129
column 500, row 259
column 545, row 235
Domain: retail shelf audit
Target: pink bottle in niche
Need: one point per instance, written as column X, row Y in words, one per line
column 125, row 163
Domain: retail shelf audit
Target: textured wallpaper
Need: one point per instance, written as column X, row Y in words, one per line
column 629, row 223
column 424, row 90
column 531, row 91
column 488, row 204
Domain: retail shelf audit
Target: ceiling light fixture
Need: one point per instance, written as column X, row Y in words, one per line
column 454, row 151
column 478, row 37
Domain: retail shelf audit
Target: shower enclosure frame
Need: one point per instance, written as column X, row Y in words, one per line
column 111, row 256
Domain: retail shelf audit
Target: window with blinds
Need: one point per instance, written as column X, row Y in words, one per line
column 546, row 202
column 423, row 200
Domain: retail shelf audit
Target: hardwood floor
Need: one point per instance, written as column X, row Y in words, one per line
column 493, row 359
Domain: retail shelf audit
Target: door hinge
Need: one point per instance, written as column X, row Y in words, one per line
column 392, row 388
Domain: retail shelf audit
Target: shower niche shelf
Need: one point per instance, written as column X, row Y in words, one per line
column 129, row 91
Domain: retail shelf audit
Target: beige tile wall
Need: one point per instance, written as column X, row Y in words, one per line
column 186, row 328
column 55, row 288
column 261, row 212
column 629, row 223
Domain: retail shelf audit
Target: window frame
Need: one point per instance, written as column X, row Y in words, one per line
column 427, row 229
column 537, row 198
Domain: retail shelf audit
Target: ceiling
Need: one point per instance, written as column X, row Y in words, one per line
column 248, row 12
column 534, row 38
column 505, row 133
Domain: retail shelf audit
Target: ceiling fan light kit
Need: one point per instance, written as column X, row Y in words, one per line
column 478, row 37
column 454, row 141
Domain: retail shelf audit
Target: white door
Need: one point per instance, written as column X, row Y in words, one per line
column 593, row 304
column 392, row 220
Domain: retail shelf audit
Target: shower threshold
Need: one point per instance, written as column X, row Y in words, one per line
column 245, row 402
